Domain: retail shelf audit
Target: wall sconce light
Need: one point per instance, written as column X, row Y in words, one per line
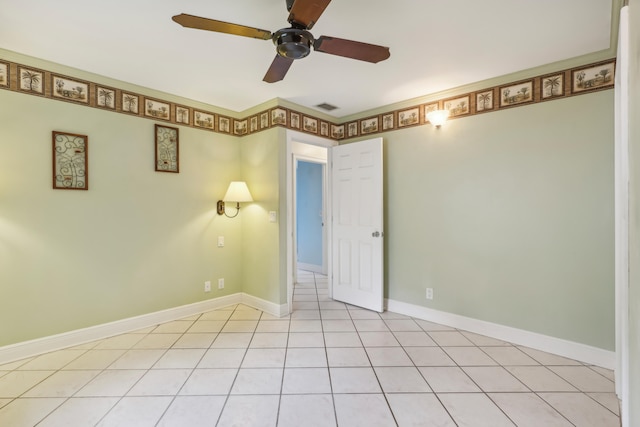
column 237, row 192
column 438, row 117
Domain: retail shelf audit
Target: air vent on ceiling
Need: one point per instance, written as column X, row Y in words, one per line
column 326, row 106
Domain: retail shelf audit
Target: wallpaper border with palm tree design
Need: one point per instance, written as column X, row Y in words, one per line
column 562, row 83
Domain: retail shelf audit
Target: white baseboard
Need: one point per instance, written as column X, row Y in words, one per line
column 573, row 350
column 31, row 348
column 266, row 306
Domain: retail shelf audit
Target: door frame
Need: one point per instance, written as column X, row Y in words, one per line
column 297, row 158
column 302, row 144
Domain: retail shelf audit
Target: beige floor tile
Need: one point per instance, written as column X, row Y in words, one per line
column 528, row 410
column 240, row 326
column 342, row 357
column 232, row 340
column 309, row 339
column 581, row 410
column 509, row 356
column 307, row 410
column 450, row 339
column 584, row 378
column 414, row 339
column 15, row 383
column 62, row 384
column 378, row 339
column 362, row 410
column 161, row 382
column 193, row 411
column 342, row 339
column 494, row 379
column 222, row 358
column 157, row 341
column 28, row 412
column 429, row 356
column 79, row 412
column 474, row 410
column 258, row 381
column 401, row 380
column 176, row 327
column 269, row 340
column 195, row 340
column 264, row 358
column 306, row 358
column 119, row 342
column 95, row 359
column 180, row 358
column 354, row 380
column 136, row 411
column 209, row 382
column 448, row 380
column 608, row 400
column 469, row 356
column 419, row 409
column 52, row 361
column 111, row 383
column 254, row 411
column 137, row 359
column 540, row 378
column 388, row 356
column 306, row 381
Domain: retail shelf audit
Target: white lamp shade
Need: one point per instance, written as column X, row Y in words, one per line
column 238, row 192
column 438, row 117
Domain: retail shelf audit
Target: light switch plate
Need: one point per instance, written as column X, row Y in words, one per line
column 273, row 216
column 220, row 241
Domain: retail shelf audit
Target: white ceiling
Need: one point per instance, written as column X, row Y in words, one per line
column 435, row 45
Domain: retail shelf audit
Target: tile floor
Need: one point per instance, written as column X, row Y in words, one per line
column 328, row 364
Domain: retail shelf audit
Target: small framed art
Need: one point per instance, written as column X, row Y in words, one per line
column 70, row 161
column 167, row 154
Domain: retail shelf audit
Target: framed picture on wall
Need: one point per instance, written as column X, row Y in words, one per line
column 459, row 106
column 518, row 93
column 595, row 77
column 130, row 103
column 31, row 80
column 203, row 120
column 70, row 161
column 182, row 115
column 105, row 97
column 157, row 109
column 4, row 74
column 70, row 90
column 167, row 149
column 552, row 86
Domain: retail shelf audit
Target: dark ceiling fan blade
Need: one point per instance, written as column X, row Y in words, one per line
column 307, row 12
column 278, row 69
column 199, row 23
column 350, row 49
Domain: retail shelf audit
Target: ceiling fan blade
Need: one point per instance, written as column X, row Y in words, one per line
column 307, row 12
column 351, row 49
column 199, row 23
column 278, row 69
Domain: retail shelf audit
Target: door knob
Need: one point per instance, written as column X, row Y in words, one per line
column 375, row 234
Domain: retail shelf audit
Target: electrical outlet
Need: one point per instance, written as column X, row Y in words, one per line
column 221, row 283
column 207, row 286
column 429, row 293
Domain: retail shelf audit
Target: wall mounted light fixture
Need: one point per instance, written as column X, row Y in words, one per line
column 237, row 192
column 438, row 117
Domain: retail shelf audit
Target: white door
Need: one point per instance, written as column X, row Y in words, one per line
column 357, row 218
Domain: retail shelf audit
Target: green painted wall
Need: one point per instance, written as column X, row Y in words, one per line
column 508, row 216
column 634, row 215
column 137, row 242
column 261, row 163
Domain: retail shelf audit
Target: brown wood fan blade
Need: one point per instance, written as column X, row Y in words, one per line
column 307, row 12
column 278, row 69
column 199, row 23
column 350, row 49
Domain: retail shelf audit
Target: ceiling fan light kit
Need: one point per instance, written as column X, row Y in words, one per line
column 294, row 42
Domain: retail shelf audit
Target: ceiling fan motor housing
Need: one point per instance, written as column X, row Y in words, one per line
column 294, row 43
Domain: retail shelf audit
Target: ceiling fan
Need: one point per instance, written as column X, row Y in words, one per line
column 294, row 42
